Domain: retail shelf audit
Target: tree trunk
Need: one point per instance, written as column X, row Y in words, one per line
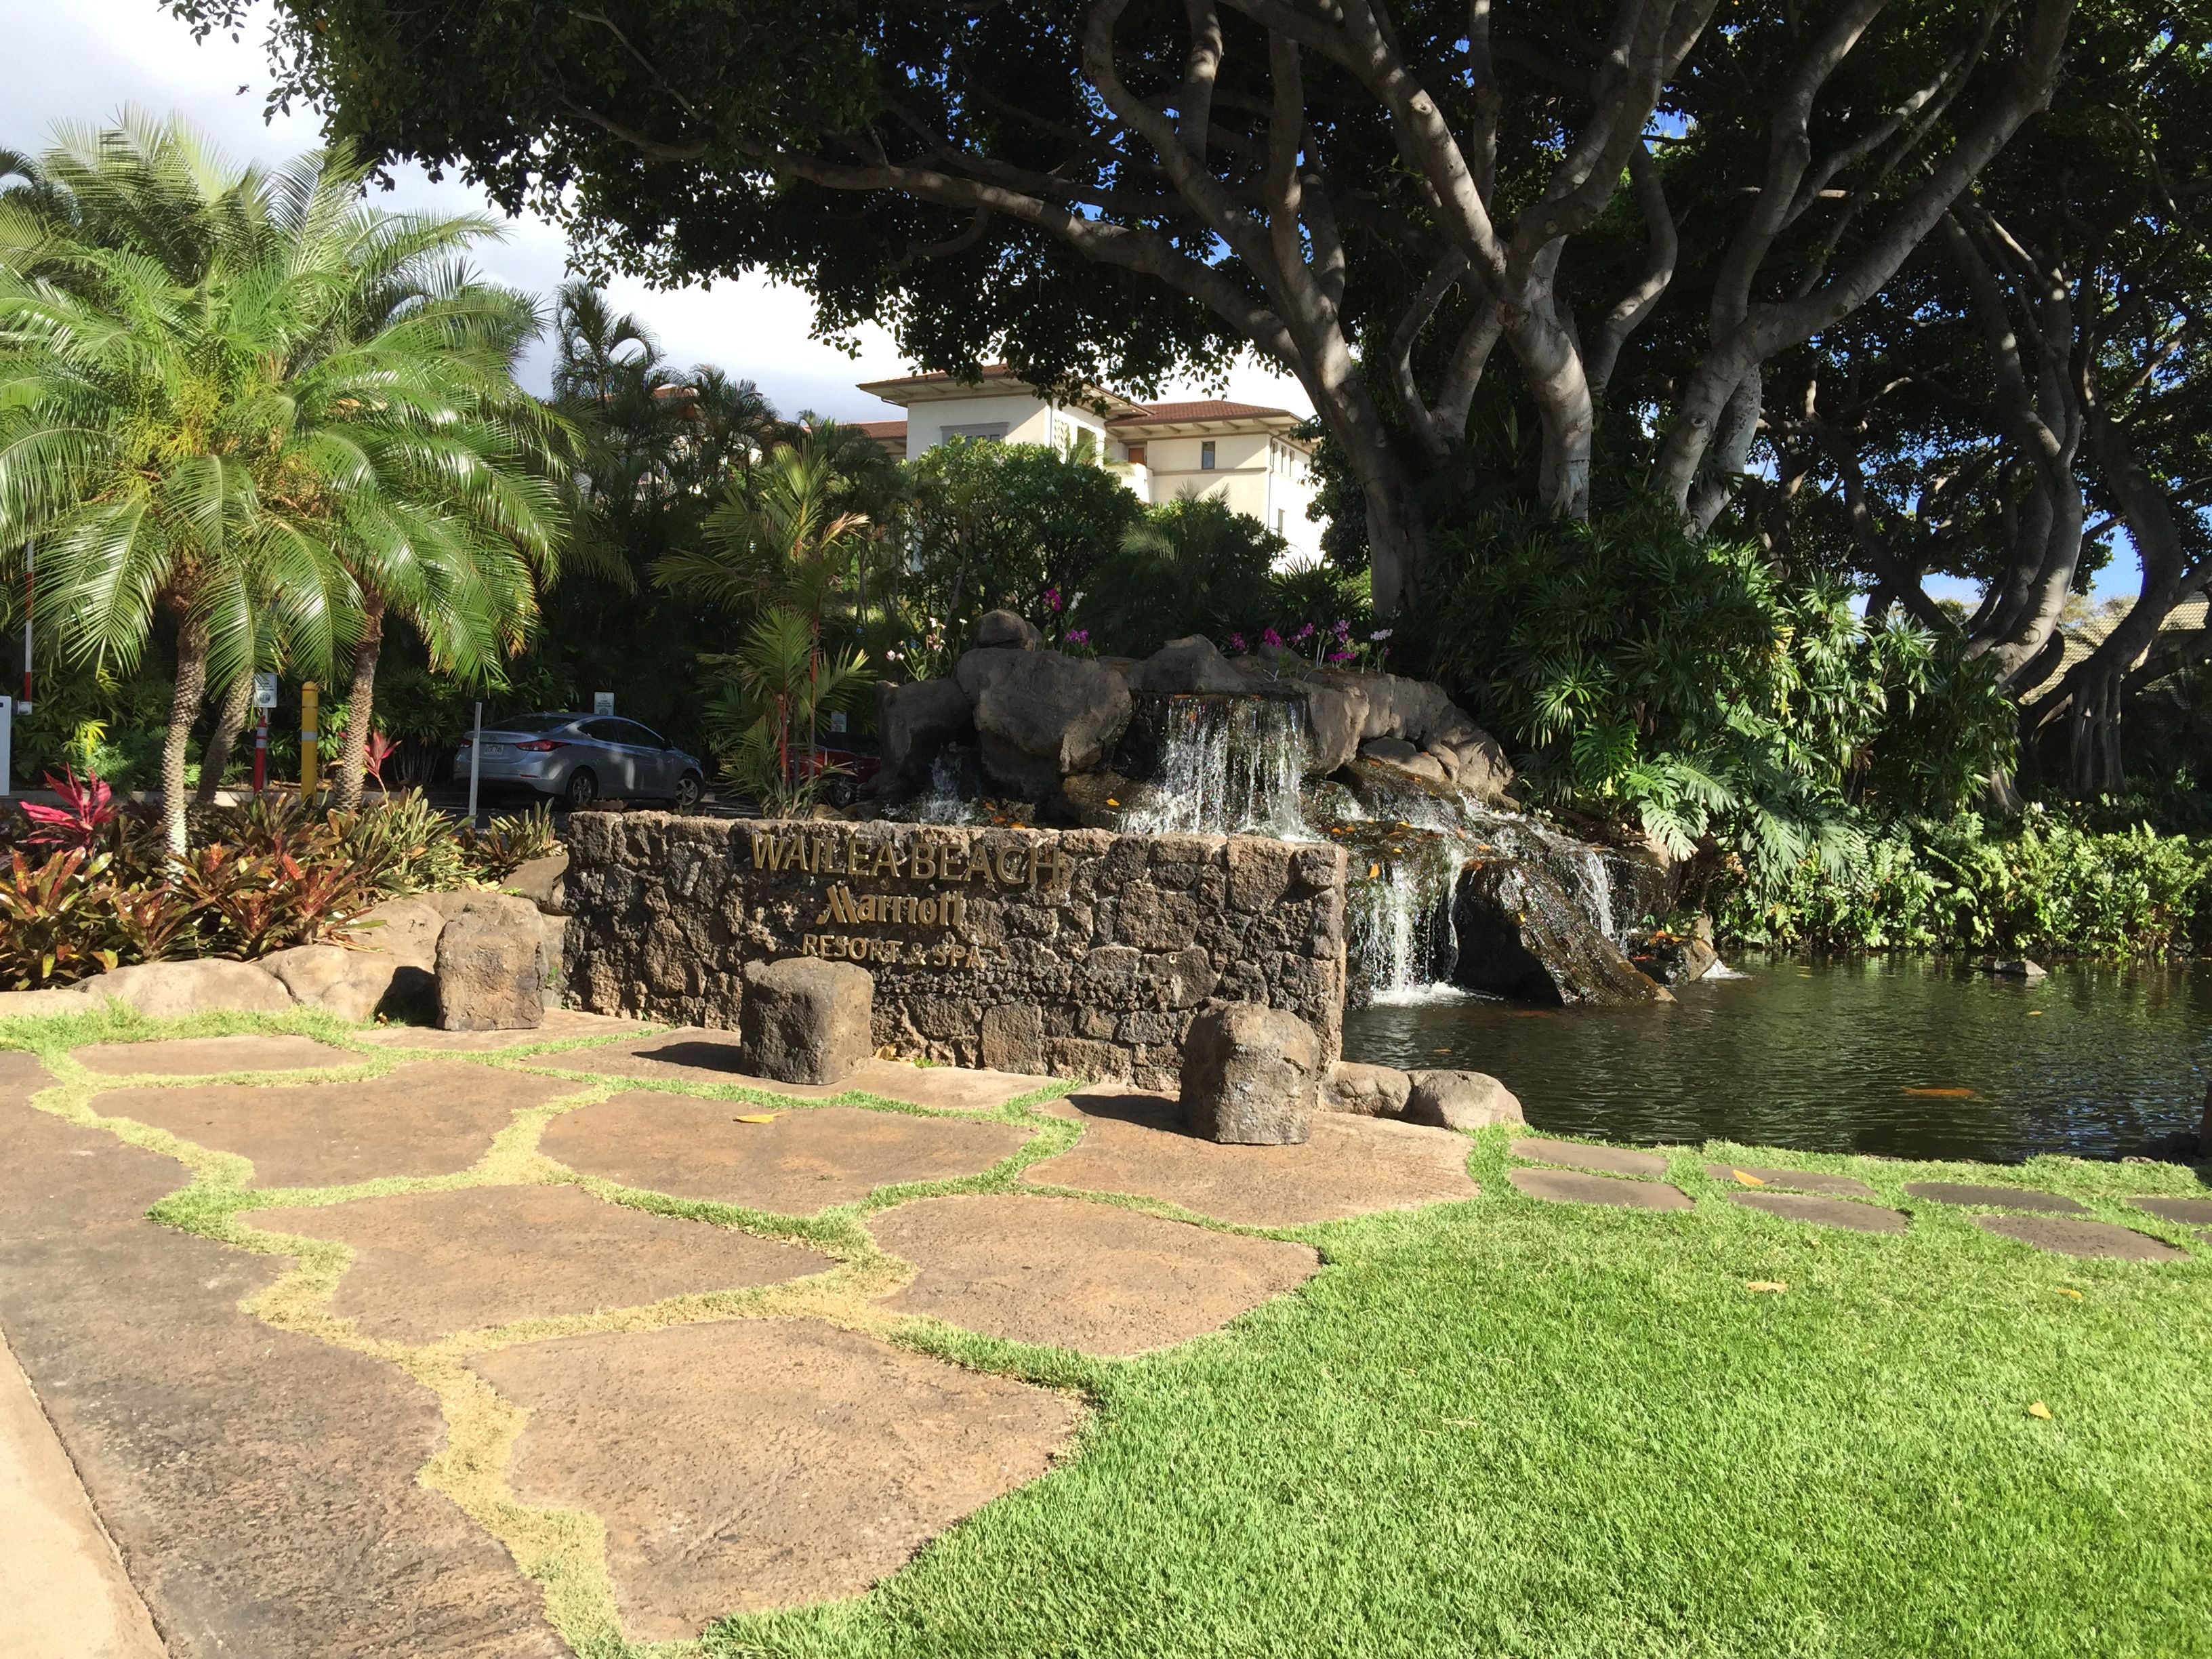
column 361, row 711
column 230, row 721
column 185, row 700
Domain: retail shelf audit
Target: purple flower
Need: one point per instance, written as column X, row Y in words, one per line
column 1340, row 656
column 1306, row 633
column 1271, row 637
column 1236, row 643
column 1078, row 637
column 1342, row 629
column 1052, row 600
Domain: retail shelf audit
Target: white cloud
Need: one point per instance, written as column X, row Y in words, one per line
column 82, row 60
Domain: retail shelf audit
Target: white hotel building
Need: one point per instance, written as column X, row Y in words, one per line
column 1242, row 453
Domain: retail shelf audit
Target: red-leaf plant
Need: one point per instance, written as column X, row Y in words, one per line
column 88, row 808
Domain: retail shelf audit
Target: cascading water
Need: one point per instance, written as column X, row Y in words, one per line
column 1400, row 943
column 1226, row 766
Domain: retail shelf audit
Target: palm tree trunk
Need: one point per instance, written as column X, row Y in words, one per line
column 191, row 691
column 361, row 711
column 230, row 721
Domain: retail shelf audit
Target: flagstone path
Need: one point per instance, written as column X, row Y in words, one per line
column 498, row 1344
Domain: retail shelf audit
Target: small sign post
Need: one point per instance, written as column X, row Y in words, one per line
column 603, row 702
column 7, row 742
column 264, row 699
column 311, row 739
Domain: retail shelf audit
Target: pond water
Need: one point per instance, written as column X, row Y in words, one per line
column 1896, row 1056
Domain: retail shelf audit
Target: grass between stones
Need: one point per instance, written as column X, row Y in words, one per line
column 1497, row 1427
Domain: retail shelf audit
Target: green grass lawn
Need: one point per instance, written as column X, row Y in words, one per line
column 1513, row 1428
column 1528, row 1430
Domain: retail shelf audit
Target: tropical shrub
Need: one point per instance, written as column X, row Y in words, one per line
column 511, row 840
column 1687, row 686
column 2046, row 886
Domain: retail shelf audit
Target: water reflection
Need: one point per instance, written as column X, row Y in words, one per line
column 1828, row 1056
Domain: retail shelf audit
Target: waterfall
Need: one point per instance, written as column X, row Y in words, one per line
column 1226, row 766
column 1399, row 946
column 943, row 803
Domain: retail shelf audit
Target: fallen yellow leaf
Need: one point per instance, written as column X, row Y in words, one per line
column 756, row 1117
column 1747, row 1179
column 1765, row 1284
column 2064, row 1290
column 2039, row 1409
column 1373, row 871
column 1110, row 801
column 2035, row 1013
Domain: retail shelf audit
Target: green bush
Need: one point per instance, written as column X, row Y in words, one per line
column 2046, row 886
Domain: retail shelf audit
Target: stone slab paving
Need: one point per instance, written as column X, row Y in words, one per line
column 260, row 1485
column 61, row 1580
column 427, row 1264
column 1134, row 1143
column 807, row 1160
column 431, row 1118
column 2008, row 1198
column 1823, row 1211
column 1580, row 1187
column 211, row 1056
column 1612, row 1160
column 1071, row 1274
column 1810, row 1181
column 709, row 1056
column 764, row 1463
column 2189, row 1212
column 2066, row 1236
column 562, row 1025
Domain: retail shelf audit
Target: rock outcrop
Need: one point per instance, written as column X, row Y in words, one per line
column 1521, row 936
column 1459, row 1100
column 491, row 970
column 1189, row 667
column 1044, row 716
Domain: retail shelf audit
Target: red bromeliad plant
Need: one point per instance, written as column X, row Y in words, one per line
column 56, row 924
column 86, row 811
column 376, row 750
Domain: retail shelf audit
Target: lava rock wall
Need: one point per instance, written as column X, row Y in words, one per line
column 1066, row 952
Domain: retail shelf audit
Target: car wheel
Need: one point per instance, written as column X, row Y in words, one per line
column 688, row 788
column 583, row 788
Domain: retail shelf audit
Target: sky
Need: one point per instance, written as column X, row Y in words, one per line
column 82, row 60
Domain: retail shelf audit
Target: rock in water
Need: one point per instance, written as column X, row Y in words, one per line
column 1251, row 1077
column 1044, row 716
column 1364, row 1090
column 805, row 1020
column 1460, row 1100
column 2018, row 968
column 491, row 971
column 1521, row 936
column 1006, row 631
column 915, row 722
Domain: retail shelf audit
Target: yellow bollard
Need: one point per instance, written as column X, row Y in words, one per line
column 310, row 739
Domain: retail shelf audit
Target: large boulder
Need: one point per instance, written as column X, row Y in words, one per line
column 1336, row 715
column 1483, row 771
column 1046, row 717
column 1006, row 631
column 39, row 1004
column 211, row 985
column 1187, row 666
column 915, row 723
column 1364, row 1090
column 978, row 669
column 407, row 928
column 352, row 984
column 1460, row 1100
column 805, row 1020
column 1251, row 1077
column 491, row 969
column 1521, row 936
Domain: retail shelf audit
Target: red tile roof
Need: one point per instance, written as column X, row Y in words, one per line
column 883, row 428
column 1205, row 409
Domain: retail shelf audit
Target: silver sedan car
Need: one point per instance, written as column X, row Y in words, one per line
column 581, row 758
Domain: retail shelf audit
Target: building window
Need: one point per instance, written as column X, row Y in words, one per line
column 1279, row 520
column 993, row 433
column 1136, row 455
column 1206, row 456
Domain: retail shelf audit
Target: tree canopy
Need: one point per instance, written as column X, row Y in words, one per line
column 1376, row 199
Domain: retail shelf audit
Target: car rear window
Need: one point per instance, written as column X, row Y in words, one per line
column 531, row 723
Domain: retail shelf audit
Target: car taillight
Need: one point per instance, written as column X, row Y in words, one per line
column 542, row 746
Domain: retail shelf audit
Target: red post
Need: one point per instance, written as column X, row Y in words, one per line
column 260, row 750
column 30, row 593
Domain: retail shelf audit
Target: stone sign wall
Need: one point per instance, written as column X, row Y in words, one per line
column 1067, row 952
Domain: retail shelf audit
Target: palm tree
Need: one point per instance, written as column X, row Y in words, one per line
column 250, row 403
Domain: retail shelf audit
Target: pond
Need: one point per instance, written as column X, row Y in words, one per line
column 1896, row 1056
